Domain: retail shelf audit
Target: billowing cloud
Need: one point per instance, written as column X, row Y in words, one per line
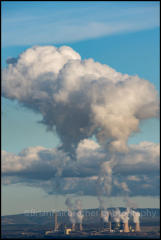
column 54, row 171
column 79, row 98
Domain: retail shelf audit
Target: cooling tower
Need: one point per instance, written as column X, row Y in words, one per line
column 80, row 227
column 126, row 227
column 73, row 227
column 137, row 227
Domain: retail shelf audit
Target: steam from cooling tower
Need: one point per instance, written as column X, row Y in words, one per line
column 104, row 181
column 123, row 186
column 79, row 98
column 106, row 176
column 136, row 216
column 79, row 215
column 136, row 220
column 69, row 203
column 105, row 215
column 71, row 213
column 130, row 203
column 74, row 211
column 125, row 218
column 116, row 215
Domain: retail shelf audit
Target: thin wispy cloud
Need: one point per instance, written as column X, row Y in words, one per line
column 75, row 23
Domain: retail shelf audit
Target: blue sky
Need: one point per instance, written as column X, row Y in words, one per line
column 38, row 22
column 123, row 35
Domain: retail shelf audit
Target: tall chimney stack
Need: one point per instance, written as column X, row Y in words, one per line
column 110, row 226
column 55, row 222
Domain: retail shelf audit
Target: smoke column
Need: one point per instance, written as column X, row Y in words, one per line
column 71, row 213
column 116, row 215
column 105, row 215
column 104, row 181
column 79, row 215
column 74, row 211
column 79, row 99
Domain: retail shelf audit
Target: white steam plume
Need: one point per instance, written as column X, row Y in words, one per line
column 38, row 166
column 105, row 215
column 104, row 181
column 71, row 213
column 125, row 216
column 125, row 189
column 79, row 214
column 116, row 215
column 122, row 185
column 79, row 98
column 74, row 211
column 136, row 216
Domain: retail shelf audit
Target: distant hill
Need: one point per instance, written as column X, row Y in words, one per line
column 149, row 216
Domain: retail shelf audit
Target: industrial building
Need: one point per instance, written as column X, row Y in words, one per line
column 110, row 225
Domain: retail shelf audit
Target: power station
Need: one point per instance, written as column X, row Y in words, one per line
column 110, row 223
